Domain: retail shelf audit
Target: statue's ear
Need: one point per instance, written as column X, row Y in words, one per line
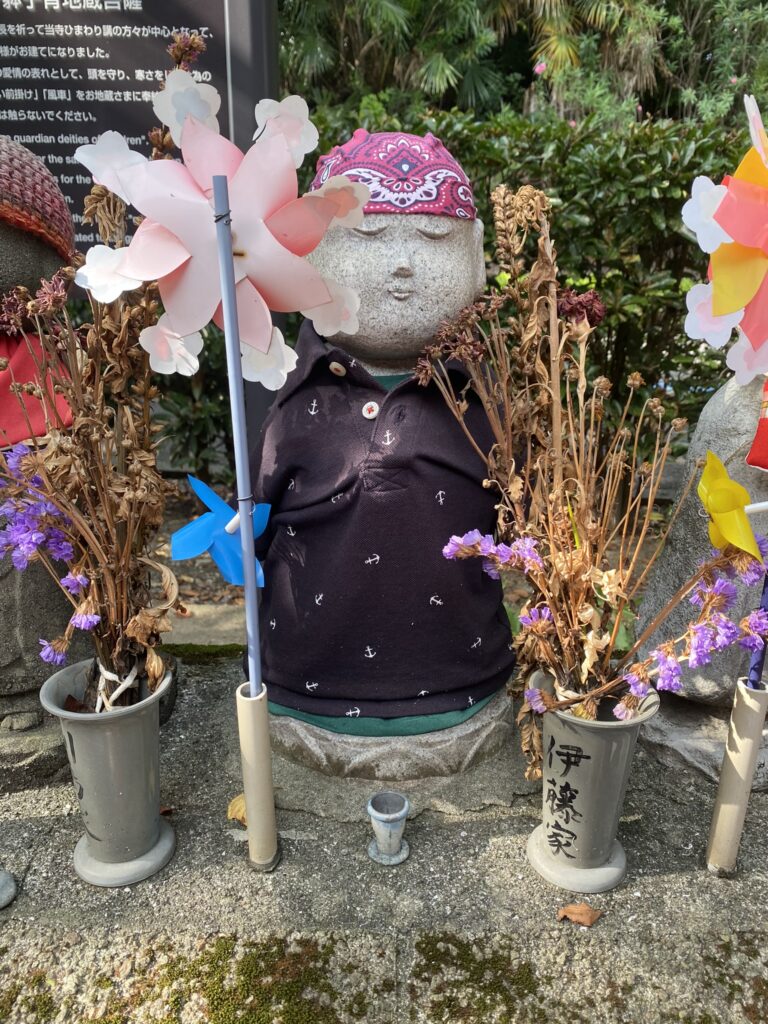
column 477, row 238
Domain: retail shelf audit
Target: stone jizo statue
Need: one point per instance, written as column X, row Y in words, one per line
column 366, row 629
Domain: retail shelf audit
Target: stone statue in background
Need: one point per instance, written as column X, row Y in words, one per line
column 36, row 239
column 694, row 725
column 368, row 633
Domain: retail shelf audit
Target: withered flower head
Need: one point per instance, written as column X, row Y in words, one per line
column 635, row 381
column 656, row 407
column 13, row 311
column 602, row 387
column 51, row 295
column 185, row 49
column 679, row 424
column 575, row 308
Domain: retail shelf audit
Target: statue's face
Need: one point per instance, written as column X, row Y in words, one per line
column 411, row 271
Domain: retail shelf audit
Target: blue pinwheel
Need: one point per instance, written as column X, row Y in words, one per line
column 209, row 533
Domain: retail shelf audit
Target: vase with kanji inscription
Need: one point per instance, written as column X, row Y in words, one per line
column 586, row 766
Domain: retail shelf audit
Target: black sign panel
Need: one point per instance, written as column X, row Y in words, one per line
column 72, row 69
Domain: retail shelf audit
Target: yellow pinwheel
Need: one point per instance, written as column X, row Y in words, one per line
column 725, row 502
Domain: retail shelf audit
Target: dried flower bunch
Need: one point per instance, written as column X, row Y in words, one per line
column 576, row 499
column 90, row 495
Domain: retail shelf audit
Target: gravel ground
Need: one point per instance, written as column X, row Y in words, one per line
column 463, row 931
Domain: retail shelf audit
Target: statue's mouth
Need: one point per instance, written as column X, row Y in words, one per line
column 401, row 294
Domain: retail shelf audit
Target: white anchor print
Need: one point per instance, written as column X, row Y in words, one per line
column 272, row 623
column 352, row 364
column 477, row 642
column 369, row 652
column 423, row 693
column 311, row 686
column 353, row 713
column 318, row 599
column 291, row 484
column 389, row 438
column 373, row 560
column 312, row 409
column 435, row 599
column 290, row 531
column 440, row 497
column 336, row 497
column 470, row 701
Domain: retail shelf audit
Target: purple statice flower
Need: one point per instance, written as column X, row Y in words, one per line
column 44, row 507
column 726, row 631
column 75, row 584
column 721, row 595
column 491, row 569
column 14, row 456
column 524, row 550
column 637, row 686
column 85, row 620
column 701, row 643
column 58, row 545
column 669, row 672
column 536, row 616
column 624, row 713
column 52, row 653
column 451, row 549
column 472, row 537
column 754, row 628
column 535, row 699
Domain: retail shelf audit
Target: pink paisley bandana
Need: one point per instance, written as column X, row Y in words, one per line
column 405, row 173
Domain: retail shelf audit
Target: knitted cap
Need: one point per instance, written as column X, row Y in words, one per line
column 405, row 173
column 30, row 198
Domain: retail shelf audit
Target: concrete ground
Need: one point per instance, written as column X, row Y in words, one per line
column 463, row 931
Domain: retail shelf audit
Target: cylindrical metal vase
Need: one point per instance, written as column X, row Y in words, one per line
column 256, row 760
column 745, row 735
column 388, row 811
column 586, row 767
column 115, row 762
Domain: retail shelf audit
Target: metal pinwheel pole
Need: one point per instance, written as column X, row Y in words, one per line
column 252, row 713
column 742, row 748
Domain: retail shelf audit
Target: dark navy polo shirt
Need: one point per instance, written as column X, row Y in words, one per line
column 361, row 615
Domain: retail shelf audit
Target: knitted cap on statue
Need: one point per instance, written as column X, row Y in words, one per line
column 405, row 174
column 36, row 238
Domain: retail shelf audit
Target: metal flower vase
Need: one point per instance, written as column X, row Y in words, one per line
column 115, row 762
column 586, row 766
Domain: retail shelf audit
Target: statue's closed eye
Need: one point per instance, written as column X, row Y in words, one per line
column 436, row 233
column 370, row 232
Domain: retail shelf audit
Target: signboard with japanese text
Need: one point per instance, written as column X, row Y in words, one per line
column 72, row 69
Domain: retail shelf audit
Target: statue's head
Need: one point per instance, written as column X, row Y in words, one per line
column 417, row 257
column 36, row 232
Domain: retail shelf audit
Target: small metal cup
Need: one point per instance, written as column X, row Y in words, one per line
column 388, row 811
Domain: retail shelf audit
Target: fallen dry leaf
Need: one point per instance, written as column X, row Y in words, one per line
column 236, row 810
column 579, row 913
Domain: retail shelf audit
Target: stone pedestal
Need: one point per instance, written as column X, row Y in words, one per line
column 394, row 758
column 31, row 607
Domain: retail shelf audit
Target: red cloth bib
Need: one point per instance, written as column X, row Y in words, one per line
column 22, row 369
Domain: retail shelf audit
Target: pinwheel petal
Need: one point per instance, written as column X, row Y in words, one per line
column 737, row 273
column 166, row 192
column 265, row 181
column 211, row 500
column 754, row 323
column 207, row 153
column 253, row 318
column 227, row 554
column 193, row 539
column 286, row 282
column 154, row 252
column 191, row 293
column 743, row 214
column 299, row 226
column 724, row 500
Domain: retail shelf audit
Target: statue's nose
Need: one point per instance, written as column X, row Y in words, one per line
column 403, row 269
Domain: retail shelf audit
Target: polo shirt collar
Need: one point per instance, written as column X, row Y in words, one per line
column 312, row 349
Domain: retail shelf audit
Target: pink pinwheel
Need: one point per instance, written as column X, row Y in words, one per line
column 273, row 229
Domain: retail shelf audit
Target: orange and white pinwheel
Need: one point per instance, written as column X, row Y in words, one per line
column 730, row 221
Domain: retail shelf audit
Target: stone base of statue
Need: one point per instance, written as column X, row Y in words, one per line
column 391, row 758
column 31, row 607
column 694, row 736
